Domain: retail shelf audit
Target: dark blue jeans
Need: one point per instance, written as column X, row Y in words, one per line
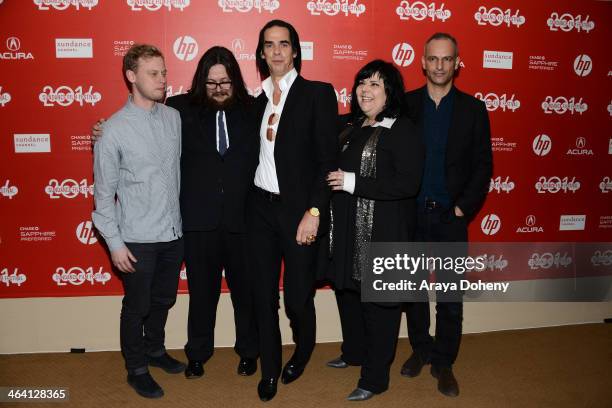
column 149, row 293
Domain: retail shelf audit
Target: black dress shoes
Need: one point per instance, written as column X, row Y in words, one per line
column 267, row 388
column 195, row 369
column 447, row 383
column 167, row 363
column 337, row 363
column 145, row 385
column 413, row 366
column 247, row 366
column 291, row 372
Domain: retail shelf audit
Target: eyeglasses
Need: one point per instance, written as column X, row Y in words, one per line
column 212, row 85
column 270, row 134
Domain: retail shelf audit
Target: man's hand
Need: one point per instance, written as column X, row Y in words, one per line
column 121, row 259
column 307, row 230
column 96, row 130
column 458, row 212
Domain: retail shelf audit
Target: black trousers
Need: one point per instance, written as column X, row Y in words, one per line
column 272, row 238
column 149, row 293
column 369, row 338
column 438, row 225
column 207, row 254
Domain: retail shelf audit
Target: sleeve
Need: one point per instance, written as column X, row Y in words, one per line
column 325, row 136
column 407, row 153
column 178, row 129
column 481, row 158
column 179, row 132
column 348, row 184
column 106, row 179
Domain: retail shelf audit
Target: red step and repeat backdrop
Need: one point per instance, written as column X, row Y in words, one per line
column 543, row 68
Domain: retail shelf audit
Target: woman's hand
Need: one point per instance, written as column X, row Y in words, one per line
column 335, row 179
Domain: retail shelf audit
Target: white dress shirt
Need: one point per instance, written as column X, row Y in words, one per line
column 348, row 183
column 265, row 175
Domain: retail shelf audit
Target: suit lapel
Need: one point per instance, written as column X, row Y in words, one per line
column 453, row 136
column 416, row 109
column 207, row 128
column 295, row 92
column 233, row 133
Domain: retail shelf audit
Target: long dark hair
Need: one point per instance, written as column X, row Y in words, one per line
column 262, row 66
column 213, row 56
column 394, row 90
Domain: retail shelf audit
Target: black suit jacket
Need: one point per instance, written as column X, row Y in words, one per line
column 306, row 146
column 400, row 156
column 214, row 187
column 469, row 159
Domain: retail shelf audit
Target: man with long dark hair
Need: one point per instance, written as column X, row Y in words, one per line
column 218, row 163
column 296, row 121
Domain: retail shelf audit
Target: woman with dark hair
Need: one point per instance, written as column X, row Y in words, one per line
column 381, row 164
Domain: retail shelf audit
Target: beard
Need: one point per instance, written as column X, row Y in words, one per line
column 227, row 103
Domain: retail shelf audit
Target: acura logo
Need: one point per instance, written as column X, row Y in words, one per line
column 13, row 43
column 530, row 220
column 237, row 45
column 580, row 142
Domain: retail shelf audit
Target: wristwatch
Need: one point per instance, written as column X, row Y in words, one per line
column 314, row 211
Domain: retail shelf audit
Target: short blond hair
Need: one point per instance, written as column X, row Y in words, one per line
column 136, row 51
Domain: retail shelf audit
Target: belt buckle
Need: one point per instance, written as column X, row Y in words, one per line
column 430, row 204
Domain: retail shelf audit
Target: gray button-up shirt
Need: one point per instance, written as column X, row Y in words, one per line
column 138, row 161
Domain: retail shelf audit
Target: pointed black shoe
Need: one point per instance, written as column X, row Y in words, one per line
column 145, row 385
column 195, row 369
column 413, row 366
column 247, row 366
column 359, row 394
column 267, row 388
column 292, row 372
column 337, row 363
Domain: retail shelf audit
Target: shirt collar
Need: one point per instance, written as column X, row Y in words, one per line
column 446, row 97
column 132, row 107
column 284, row 84
column 386, row 123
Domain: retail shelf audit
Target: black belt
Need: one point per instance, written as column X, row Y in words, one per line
column 273, row 197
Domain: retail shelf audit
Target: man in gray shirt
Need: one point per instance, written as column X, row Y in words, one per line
column 137, row 173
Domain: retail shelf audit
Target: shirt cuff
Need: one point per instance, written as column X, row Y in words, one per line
column 349, row 182
column 115, row 243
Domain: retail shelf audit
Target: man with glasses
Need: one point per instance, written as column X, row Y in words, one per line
column 217, row 166
column 218, row 163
